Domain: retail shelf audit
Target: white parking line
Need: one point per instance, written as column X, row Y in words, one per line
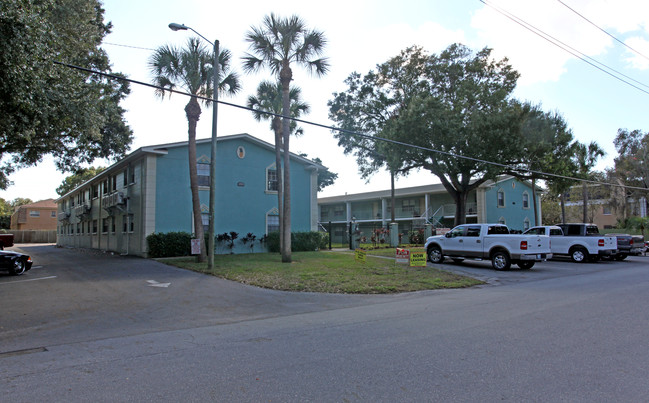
column 31, row 279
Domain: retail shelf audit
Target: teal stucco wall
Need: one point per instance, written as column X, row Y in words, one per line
column 513, row 213
column 242, row 200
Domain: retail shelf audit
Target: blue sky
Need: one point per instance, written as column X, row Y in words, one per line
column 362, row 34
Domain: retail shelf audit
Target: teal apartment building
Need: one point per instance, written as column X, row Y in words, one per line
column 148, row 191
column 506, row 200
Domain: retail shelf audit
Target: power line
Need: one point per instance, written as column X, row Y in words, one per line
column 349, row 132
column 601, row 29
column 566, row 47
column 128, row 46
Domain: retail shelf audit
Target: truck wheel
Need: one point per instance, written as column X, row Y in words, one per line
column 579, row 255
column 525, row 265
column 435, row 254
column 500, row 261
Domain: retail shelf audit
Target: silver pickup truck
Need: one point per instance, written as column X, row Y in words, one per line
column 581, row 242
column 489, row 242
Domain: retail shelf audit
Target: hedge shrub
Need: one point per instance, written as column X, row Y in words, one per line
column 170, row 244
column 300, row 241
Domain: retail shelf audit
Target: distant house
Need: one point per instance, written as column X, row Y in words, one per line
column 148, row 191
column 507, row 200
column 606, row 207
column 35, row 216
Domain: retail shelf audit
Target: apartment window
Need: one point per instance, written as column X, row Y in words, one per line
column 34, row 213
column 127, row 223
column 112, row 225
column 105, row 186
column 526, row 224
column 339, row 211
column 526, row 200
column 95, row 191
column 125, row 177
column 271, row 179
column 408, row 205
column 501, row 198
column 272, row 221
column 113, row 182
column 94, row 226
column 606, row 210
column 324, row 215
column 78, row 228
column 131, row 174
column 203, row 171
column 104, row 225
column 53, row 214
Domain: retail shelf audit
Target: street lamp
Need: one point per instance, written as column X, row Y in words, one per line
column 215, row 111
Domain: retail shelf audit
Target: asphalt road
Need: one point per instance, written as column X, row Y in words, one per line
column 91, row 327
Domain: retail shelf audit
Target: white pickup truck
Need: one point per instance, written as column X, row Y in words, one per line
column 582, row 242
column 489, row 241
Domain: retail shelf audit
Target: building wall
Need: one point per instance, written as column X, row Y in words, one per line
column 241, row 197
column 157, row 197
column 513, row 213
column 97, row 226
column 34, row 218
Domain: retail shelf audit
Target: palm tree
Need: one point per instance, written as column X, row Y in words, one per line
column 276, row 44
column 191, row 69
column 269, row 99
column 587, row 156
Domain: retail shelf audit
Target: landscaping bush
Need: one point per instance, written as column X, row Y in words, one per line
column 170, row 244
column 308, row 241
column 300, row 241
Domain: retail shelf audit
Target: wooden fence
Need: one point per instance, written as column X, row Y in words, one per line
column 33, row 236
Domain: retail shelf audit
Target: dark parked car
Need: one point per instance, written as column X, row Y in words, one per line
column 628, row 245
column 15, row 263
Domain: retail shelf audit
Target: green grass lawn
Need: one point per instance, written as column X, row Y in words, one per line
column 327, row 272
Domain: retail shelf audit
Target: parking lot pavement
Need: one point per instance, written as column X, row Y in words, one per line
column 75, row 295
column 78, row 295
column 554, row 268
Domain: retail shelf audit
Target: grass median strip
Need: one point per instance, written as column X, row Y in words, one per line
column 327, row 272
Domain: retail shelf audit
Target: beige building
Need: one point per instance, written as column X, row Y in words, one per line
column 35, row 216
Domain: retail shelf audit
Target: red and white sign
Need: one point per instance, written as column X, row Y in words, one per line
column 403, row 256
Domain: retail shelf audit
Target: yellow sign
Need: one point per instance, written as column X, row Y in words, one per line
column 418, row 258
column 361, row 255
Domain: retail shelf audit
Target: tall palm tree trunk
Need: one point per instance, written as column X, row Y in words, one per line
column 193, row 112
column 285, row 78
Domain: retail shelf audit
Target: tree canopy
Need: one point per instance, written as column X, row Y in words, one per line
column 456, row 103
column 48, row 108
column 79, row 177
